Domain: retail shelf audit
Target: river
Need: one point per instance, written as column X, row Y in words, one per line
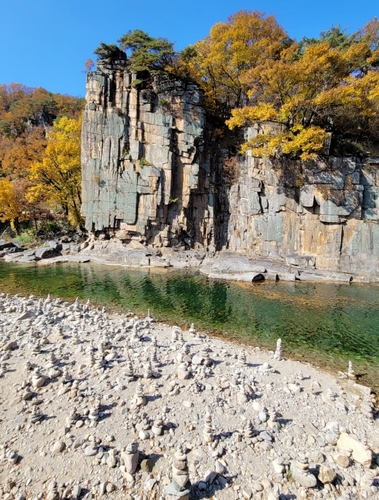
column 325, row 324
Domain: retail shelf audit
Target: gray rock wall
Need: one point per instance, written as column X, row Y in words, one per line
column 150, row 173
column 318, row 214
column 144, row 170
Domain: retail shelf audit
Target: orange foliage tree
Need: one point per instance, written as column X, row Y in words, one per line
column 26, row 116
column 304, row 94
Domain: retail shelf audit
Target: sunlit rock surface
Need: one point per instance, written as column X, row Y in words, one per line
column 154, row 173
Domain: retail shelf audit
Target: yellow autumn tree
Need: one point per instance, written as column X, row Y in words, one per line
column 57, row 177
column 219, row 62
column 13, row 206
column 309, row 93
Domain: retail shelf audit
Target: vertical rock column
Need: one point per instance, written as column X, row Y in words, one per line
column 143, row 161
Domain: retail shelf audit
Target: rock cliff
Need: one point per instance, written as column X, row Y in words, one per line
column 145, row 172
column 152, row 173
column 320, row 215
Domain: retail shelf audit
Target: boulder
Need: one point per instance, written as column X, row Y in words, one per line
column 6, row 245
column 326, row 474
column 46, row 253
column 258, row 278
column 360, row 452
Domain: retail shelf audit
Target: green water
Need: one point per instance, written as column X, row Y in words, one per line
column 326, row 324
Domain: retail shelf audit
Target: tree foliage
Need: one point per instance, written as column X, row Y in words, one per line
column 109, row 52
column 304, row 94
column 88, row 66
column 11, row 208
column 312, row 91
column 335, row 36
column 147, row 53
column 26, row 116
column 57, row 177
column 220, row 62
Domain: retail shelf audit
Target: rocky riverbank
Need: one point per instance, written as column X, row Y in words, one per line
column 97, row 405
column 220, row 265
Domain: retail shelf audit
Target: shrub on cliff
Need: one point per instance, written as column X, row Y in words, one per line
column 147, row 53
column 144, row 52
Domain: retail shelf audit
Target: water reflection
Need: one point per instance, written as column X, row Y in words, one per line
column 323, row 323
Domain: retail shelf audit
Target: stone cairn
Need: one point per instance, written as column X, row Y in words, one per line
column 53, row 361
column 192, row 330
column 94, row 413
column 92, row 360
column 130, row 456
column 183, row 372
column 175, row 334
column 242, row 396
column 350, row 371
column 148, row 372
column 249, row 430
column 208, row 427
column 278, row 351
column 204, row 353
column 129, row 374
column 273, row 422
column 29, row 367
column 144, row 427
column 37, row 347
column 180, row 486
column 74, row 390
column 36, row 416
column 136, row 336
column 38, row 380
column 185, row 354
column 72, row 418
column 154, row 359
column 241, row 362
column 53, row 493
column 139, row 398
column 157, row 427
column 148, row 318
column 301, row 474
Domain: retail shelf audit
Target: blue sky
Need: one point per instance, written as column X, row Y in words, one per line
column 44, row 43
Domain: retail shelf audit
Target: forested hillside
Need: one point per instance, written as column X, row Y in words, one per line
column 39, row 153
column 306, row 98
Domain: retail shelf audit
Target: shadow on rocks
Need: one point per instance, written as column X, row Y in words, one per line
column 209, row 487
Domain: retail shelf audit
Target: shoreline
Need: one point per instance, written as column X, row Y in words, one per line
column 226, row 265
column 247, row 425
column 316, row 356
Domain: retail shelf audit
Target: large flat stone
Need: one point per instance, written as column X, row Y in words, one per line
column 360, row 452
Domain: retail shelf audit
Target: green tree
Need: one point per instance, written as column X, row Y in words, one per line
column 109, row 52
column 335, row 36
column 147, row 53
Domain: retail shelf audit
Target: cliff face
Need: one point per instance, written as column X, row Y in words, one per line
column 314, row 215
column 150, row 173
column 145, row 172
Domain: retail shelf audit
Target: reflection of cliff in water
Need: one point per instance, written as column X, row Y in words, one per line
column 320, row 322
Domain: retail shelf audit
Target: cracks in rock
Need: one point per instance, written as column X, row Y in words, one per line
column 341, row 242
column 261, row 194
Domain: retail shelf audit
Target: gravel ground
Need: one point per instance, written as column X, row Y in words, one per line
column 96, row 405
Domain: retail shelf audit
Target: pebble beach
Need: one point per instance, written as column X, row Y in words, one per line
column 99, row 405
